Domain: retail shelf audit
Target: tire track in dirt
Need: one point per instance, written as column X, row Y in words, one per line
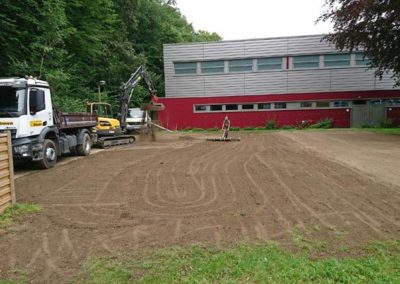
column 265, row 187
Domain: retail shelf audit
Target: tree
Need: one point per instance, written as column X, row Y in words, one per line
column 369, row 25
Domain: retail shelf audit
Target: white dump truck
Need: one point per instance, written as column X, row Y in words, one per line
column 39, row 132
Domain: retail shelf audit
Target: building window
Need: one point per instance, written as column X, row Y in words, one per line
column 200, row 108
column 361, row 60
column 248, row 106
column 341, row 104
column 216, row 107
column 280, row 105
column 274, row 63
column 212, row 67
column 306, row 104
column 306, row 61
column 240, row 65
column 394, row 102
column 231, row 107
column 184, row 68
column 360, row 102
column 323, row 104
column 264, row 106
column 336, row 60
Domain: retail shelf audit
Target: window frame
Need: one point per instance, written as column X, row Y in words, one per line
column 330, row 62
column 271, row 64
column 283, row 104
column 185, row 68
column 249, row 67
column 212, row 69
column 316, row 66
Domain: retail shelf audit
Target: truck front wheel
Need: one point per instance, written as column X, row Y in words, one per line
column 86, row 146
column 49, row 154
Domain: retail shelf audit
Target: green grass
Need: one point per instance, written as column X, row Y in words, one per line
column 8, row 216
column 394, row 131
column 247, row 264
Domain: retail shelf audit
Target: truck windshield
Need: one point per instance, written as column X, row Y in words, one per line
column 12, row 102
column 135, row 113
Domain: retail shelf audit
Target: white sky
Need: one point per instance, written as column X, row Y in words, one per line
column 245, row 19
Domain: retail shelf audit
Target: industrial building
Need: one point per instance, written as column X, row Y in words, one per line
column 286, row 79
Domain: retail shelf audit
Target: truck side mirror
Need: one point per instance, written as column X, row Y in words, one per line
column 36, row 101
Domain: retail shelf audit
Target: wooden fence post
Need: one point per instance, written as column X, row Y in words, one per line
column 7, row 189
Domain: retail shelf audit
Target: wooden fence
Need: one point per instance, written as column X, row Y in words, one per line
column 7, row 190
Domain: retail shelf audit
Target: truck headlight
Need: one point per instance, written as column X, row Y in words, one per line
column 21, row 149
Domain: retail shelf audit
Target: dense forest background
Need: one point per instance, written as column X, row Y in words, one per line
column 74, row 44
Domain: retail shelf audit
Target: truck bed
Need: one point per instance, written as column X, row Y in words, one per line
column 68, row 120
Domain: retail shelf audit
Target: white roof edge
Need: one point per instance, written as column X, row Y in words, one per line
column 243, row 40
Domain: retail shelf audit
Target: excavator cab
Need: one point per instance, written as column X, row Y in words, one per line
column 106, row 124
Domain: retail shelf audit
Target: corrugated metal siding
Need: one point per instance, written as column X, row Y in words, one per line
column 260, row 48
column 308, row 45
column 224, row 85
column 186, row 86
column 353, row 79
column 303, row 81
column 270, row 82
column 223, row 50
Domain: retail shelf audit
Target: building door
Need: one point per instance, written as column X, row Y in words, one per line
column 367, row 115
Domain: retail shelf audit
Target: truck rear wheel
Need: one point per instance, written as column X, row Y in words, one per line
column 49, row 155
column 86, row 146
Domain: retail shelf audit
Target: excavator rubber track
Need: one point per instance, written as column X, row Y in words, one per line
column 106, row 142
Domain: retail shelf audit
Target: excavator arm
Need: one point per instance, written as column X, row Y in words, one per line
column 126, row 92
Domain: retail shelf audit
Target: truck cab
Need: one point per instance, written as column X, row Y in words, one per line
column 25, row 110
column 38, row 132
column 137, row 119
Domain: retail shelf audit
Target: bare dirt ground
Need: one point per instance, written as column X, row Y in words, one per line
column 340, row 188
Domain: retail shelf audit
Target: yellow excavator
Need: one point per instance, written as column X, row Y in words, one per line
column 111, row 131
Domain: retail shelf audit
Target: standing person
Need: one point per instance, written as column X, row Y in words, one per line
column 225, row 127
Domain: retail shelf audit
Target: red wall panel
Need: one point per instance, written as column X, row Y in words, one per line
column 179, row 113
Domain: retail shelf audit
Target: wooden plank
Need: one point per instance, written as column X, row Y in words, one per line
column 11, row 168
column 4, row 182
column 3, row 157
column 5, row 199
column 5, row 190
column 4, row 173
column 4, row 165
column 3, row 139
column 4, row 207
column 3, row 147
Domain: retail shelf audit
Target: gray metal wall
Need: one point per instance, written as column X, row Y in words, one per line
column 263, row 82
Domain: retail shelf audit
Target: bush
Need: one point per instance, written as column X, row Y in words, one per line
column 323, row 123
column 271, row 124
column 234, row 128
column 287, row 127
column 366, row 126
column 389, row 123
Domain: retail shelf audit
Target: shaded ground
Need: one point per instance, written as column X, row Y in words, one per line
column 329, row 187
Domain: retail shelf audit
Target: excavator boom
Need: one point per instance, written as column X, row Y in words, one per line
column 126, row 94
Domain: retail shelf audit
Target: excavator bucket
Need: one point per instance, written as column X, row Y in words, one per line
column 154, row 107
